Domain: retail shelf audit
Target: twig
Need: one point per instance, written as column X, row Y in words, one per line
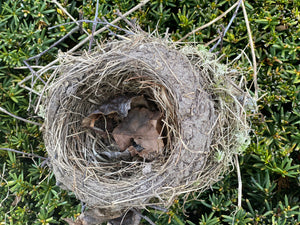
column 32, row 71
column 104, row 28
column 221, row 35
column 252, row 52
column 158, row 208
column 69, row 15
column 97, row 22
column 228, row 26
column 25, row 67
column 30, row 89
column 222, row 38
column 53, row 45
column 240, row 185
column 144, row 217
column 113, row 33
column 42, row 53
column 42, row 93
column 24, row 153
column 88, row 38
column 42, row 70
column 32, row 80
column 19, row 118
column 118, row 13
column 68, row 23
column 110, row 31
column 212, row 41
column 115, row 26
column 94, row 26
column 7, row 193
column 210, row 23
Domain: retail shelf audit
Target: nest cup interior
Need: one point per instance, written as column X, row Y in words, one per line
column 85, row 144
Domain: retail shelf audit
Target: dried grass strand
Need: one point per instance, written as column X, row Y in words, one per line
column 252, row 51
column 209, row 23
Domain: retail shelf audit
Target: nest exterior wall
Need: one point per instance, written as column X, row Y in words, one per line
column 180, row 83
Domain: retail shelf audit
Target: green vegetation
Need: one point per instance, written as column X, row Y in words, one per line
column 270, row 166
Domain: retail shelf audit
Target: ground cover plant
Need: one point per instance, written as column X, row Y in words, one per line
column 269, row 166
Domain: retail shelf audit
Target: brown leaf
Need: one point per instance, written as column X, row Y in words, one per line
column 90, row 120
column 143, row 127
column 120, row 105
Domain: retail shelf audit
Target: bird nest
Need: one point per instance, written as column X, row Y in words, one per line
column 138, row 122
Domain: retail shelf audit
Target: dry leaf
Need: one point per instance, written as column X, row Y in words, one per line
column 120, row 106
column 142, row 127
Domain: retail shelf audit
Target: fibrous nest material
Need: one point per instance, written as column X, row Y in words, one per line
column 140, row 121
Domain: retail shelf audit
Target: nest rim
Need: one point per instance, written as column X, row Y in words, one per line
column 215, row 160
